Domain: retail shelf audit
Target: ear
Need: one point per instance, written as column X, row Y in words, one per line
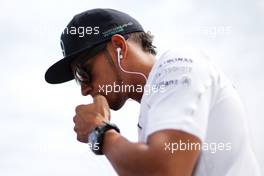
column 118, row 41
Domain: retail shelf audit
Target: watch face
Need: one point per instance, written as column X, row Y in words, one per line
column 93, row 137
column 94, row 142
column 97, row 136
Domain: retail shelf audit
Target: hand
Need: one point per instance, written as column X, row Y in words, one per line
column 90, row 116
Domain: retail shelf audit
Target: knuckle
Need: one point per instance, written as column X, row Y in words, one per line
column 82, row 138
column 75, row 129
column 79, row 138
column 78, row 108
column 75, row 119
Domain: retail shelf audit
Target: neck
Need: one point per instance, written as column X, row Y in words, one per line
column 138, row 81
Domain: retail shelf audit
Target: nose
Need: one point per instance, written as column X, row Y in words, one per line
column 86, row 89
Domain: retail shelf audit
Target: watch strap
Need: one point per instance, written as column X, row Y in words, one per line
column 100, row 132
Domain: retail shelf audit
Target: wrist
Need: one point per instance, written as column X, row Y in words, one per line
column 99, row 134
column 109, row 137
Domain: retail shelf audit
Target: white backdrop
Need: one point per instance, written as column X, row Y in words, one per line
column 36, row 128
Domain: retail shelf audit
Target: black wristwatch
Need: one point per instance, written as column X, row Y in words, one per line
column 96, row 138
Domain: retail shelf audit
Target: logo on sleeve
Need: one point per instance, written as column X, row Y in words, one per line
column 186, row 81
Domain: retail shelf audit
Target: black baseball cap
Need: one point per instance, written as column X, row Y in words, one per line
column 86, row 31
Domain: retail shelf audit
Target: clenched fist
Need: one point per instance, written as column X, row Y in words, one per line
column 90, row 116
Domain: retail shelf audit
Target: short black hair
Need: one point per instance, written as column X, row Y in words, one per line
column 145, row 40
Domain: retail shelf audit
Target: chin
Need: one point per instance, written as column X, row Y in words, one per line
column 116, row 106
column 116, row 102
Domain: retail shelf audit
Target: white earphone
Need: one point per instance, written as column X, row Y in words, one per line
column 119, row 54
column 119, row 57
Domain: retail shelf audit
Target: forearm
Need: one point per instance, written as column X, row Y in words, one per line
column 130, row 158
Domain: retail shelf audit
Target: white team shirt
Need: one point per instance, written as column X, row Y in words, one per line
column 186, row 92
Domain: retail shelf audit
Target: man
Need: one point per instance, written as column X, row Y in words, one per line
column 191, row 119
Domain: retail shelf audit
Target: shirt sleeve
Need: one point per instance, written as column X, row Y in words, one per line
column 184, row 96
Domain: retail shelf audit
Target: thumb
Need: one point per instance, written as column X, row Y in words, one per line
column 99, row 99
column 102, row 106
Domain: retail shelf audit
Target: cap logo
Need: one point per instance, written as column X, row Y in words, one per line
column 116, row 29
column 62, row 47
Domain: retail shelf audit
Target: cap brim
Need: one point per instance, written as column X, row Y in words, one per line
column 61, row 71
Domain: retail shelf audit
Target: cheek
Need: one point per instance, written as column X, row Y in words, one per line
column 114, row 98
column 103, row 84
column 105, row 80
